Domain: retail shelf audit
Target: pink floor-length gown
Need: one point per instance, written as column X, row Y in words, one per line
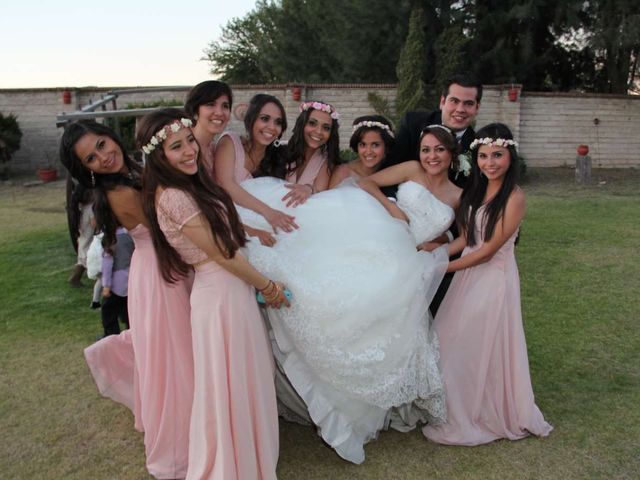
column 483, row 355
column 234, row 423
column 149, row 368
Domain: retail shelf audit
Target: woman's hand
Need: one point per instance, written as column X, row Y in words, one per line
column 106, row 292
column 280, row 220
column 428, row 246
column 298, row 194
column 266, row 238
column 274, row 296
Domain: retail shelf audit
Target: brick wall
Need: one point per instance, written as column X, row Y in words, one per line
column 549, row 126
column 553, row 125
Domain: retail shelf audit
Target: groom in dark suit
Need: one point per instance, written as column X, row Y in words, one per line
column 459, row 105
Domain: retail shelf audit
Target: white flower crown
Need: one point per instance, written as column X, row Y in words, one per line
column 161, row 135
column 493, row 142
column 323, row 107
column 370, row 124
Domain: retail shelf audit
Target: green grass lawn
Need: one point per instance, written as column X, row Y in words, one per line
column 580, row 273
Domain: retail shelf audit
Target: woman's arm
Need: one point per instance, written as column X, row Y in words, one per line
column 224, row 167
column 391, row 207
column 505, row 227
column 389, row 176
column 199, row 232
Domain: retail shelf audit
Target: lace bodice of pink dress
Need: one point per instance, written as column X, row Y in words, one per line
column 175, row 208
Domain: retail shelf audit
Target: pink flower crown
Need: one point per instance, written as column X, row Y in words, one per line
column 323, row 107
column 162, row 134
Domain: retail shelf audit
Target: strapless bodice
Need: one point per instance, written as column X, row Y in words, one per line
column 428, row 216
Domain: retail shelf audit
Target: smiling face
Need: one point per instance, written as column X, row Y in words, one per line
column 371, row 149
column 181, row 151
column 459, row 107
column 493, row 161
column 434, row 156
column 268, row 125
column 214, row 115
column 99, row 153
column 317, row 130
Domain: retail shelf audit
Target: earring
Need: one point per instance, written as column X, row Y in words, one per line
column 277, row 143
column 93, row 179
column 195, row 117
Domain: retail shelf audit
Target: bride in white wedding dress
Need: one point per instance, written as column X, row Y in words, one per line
column 356, row 344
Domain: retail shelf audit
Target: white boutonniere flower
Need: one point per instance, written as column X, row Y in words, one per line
column 464, row 164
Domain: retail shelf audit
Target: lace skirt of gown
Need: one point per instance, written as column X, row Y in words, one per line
column 356, row 341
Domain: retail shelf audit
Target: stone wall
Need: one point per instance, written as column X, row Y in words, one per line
column 549, row 126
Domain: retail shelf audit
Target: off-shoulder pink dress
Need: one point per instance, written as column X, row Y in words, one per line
column 234, row 423
column 149, row 368
column 483, row 355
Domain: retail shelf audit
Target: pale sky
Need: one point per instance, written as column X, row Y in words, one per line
column 76, row 43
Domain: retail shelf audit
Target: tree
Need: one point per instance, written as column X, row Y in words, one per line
column 591, row 45
column 411, row 93
column 239, row 55
column 297, row 40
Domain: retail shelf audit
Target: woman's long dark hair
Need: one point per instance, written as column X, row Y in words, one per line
column 273, row 164
column 296, row 146
column 106, row 221
column 476, row 188
column 213, row 202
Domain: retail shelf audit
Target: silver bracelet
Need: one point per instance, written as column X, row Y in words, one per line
column 449, row 235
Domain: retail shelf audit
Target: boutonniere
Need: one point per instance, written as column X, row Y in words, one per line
column 464, row 164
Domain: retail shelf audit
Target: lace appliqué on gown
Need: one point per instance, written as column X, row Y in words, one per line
column 356, row 341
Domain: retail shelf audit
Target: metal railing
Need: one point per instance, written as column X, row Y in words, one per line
column 89, row 111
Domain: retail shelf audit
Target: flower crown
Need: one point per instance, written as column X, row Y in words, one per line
column 162, row 134
column 370, row 124
column 323, row 107
column 437, row 125
column 493, row 142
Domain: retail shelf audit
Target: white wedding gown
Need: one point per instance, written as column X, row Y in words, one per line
column 356, row 341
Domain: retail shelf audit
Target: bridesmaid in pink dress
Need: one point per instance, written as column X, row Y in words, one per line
column 240, row 158
column 483, row 353
column 313, row 151
column 208, row 104
column 148, row 368
column 234, row 425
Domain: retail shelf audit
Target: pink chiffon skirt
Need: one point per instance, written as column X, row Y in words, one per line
column 149, row 368
column 234, row 422
column 483, row 356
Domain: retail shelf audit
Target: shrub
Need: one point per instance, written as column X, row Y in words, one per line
column 126, row 126
column 10, row 136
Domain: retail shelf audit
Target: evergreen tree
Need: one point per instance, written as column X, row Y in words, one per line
column 411, row 93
